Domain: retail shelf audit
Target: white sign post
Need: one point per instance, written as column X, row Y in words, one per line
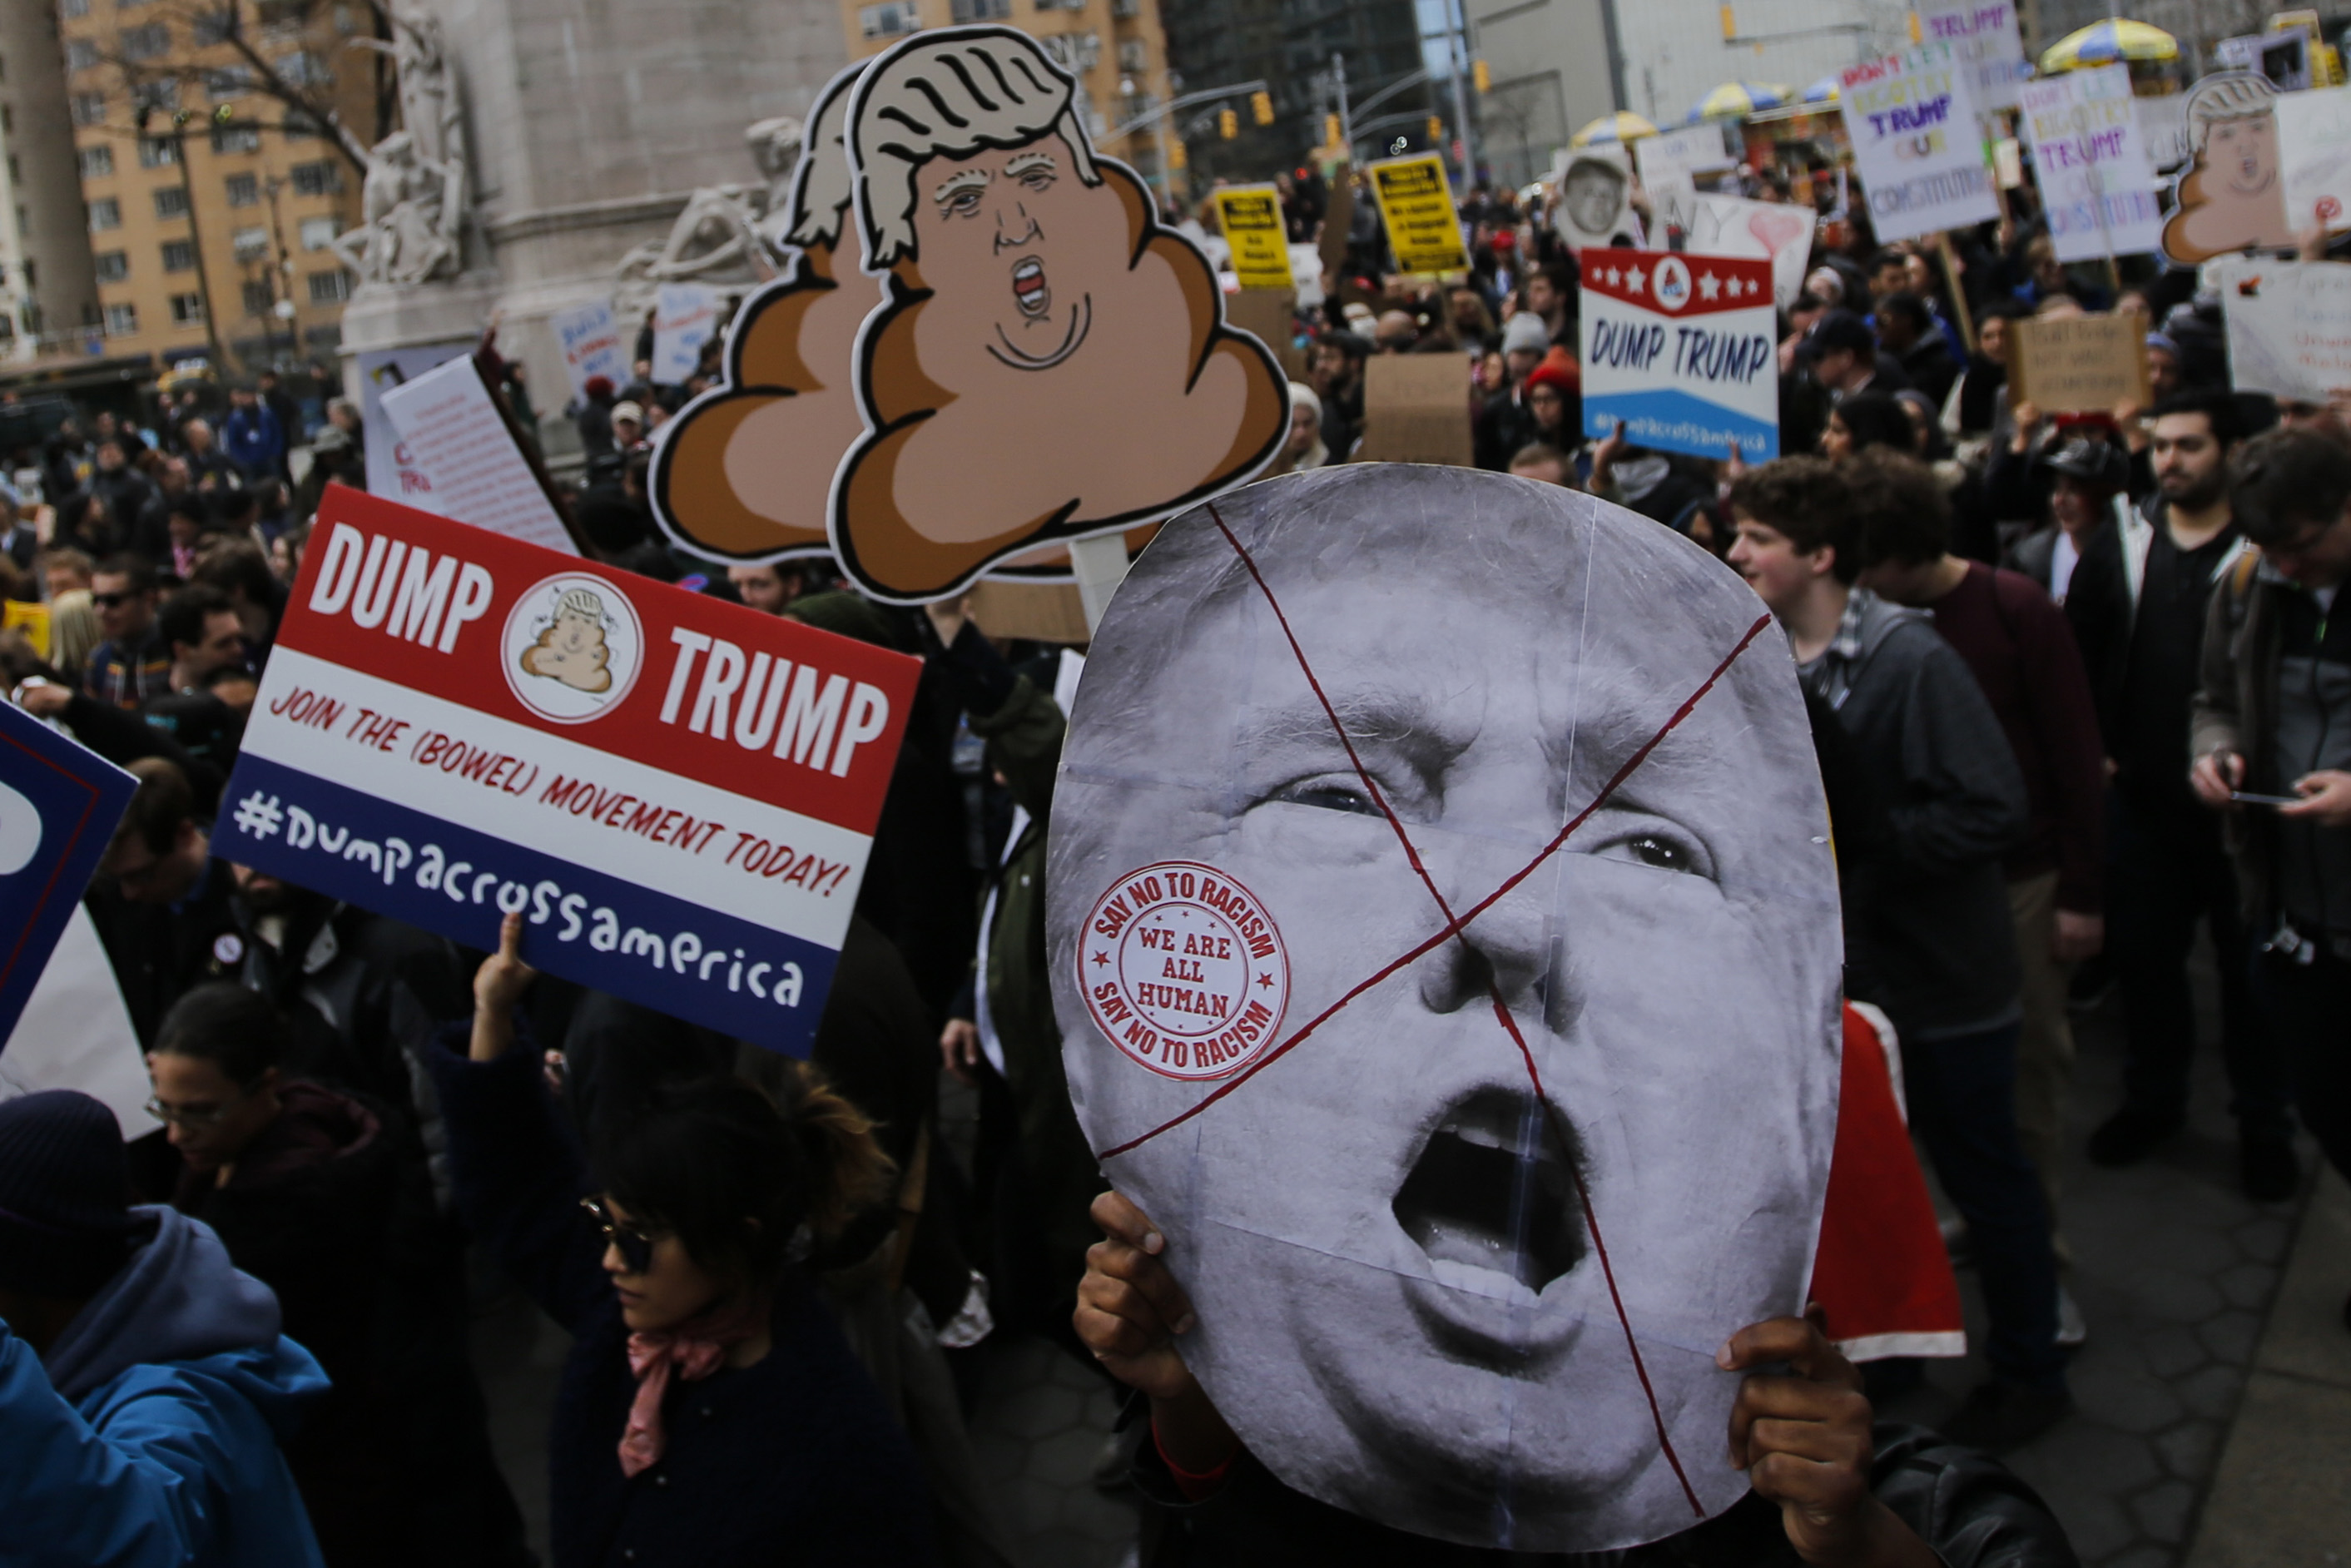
column 1912, row 119
column 2096, row 183
column 1985, row 38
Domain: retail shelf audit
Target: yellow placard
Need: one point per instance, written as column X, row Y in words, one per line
column 1417, row 204
column 33, row 618
column 1252, row 216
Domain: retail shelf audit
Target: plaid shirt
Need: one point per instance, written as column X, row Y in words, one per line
column 127, row 680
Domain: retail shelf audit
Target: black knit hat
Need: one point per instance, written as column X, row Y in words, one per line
column 65, row 1185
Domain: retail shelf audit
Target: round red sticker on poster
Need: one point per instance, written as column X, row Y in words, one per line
column 1183, row 969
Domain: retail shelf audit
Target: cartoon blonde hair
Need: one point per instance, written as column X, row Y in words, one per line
column 949, row 96
column 2231, row 94
column 582, row 603
column 822, row 186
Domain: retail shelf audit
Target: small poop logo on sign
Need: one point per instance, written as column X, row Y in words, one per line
column 572, row 647
column 1184, row 970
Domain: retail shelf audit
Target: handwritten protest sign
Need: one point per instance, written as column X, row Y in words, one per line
column 390, row 471
column 1251, row 218
column 2289, row 326
column 2313, row 132
column 677, row 794
column 1912, row 117
column 59, row 805
column 1416, row 204
column 1683, row 349
column 590, row 341
column 1416, row 410
column 1777, row 231
column 1986, row 40
column 2079, row 364
column 1670, row 162
column 452, row 430
column 2096, row 183
column 685, row 317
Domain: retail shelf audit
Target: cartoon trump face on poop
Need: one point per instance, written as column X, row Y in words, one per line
column 1052, row 363
column 744, row 470
column 2232, row 198
column 571, row 650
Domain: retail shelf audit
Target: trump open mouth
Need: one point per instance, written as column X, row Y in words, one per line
column 1494, row 1191
column 1029, row 289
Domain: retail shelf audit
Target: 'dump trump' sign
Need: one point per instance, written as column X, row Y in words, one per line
column 1682, row 349
column 677, row 794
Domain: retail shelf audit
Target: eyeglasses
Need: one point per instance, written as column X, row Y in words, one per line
column 637, row 1248
column 190, row 1119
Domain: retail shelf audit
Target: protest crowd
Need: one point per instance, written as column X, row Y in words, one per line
column 2079, row 704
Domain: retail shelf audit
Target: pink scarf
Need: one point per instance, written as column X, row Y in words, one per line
column 697, row 1348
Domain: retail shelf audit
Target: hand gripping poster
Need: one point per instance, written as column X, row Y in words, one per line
column 1443, row 938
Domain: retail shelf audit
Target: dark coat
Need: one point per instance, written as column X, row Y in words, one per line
column 792, row 1460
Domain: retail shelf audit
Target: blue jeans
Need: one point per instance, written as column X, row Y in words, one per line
column 1962, row 1093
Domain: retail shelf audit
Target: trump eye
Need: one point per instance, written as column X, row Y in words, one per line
column 1036, row 178
column 962, row 203
column 1330, row 794
column 1662, row 850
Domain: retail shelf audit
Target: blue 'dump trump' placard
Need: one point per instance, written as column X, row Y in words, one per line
column 58, row 804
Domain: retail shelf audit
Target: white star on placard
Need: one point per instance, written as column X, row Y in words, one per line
column 1614, row 277
column 1709, row 286
column 1633, row 280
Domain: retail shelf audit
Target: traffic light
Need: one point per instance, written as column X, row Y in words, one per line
column 1175, row 157
column 1435, row 131
column 1329, row 130
column 1730, row 26
column 1481, row 76
column 1229, row 124
column 1261, row 108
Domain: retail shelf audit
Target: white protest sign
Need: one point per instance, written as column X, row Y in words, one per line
column 75, row 1032
column 2289, row 325
column 1669, row 163
column 2163, row 129
column 390, row 469
column 1595, row 199
column 685, row 315
column 1682, row 349
column 1984, row 36
column 1776, row 231
column 590, row 341
column 2313, row 131
column 2096, row 183
column 1912, row 119
column 474, row 472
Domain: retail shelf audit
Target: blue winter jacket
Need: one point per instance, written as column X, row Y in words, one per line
column 151, row 1435
column 254, row 440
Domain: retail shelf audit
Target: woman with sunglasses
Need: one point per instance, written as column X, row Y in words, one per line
column 710, row 1413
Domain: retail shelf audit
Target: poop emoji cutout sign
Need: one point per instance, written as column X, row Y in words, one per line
column 1051, row 362
column 744, row 470
column 2231, row 196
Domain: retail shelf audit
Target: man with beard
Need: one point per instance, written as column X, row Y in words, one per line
column 2138, row 606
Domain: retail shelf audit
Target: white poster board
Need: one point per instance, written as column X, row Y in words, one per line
column 1777, row 232
column 2289, row 325
column 590, row 341
column 686, row 316
column 2163, row 129
column 1670, row 164
column 1984, row 36
column 2095, row 181
column 474, row 470
column 75, row 1033
column 2314, row 131
column 389, row 471
column 1912, row 119
column 1595, row 199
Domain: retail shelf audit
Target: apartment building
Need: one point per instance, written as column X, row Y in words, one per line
column 211, row 203
column 1114, row 47
column 47, row 294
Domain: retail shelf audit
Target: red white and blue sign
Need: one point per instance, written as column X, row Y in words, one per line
column 1684, row 350
column 58, row 804
column 676, row 793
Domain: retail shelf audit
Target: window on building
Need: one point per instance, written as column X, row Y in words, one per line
column 122, row 320
column 105, row 213
column 72, row 8
column 303, row 69
column 146, row 42
column 323, row 178
column 187, row 309
column 297, row 126
column 112, row 266
column 96, row 163
column 317, row 233
column 89, row 109
column 155, row 153
column 244, row 190
column 329, row 287
column 81, row 54
column 215, row 26
column 982, row 10
column 171, row 202
column 179, row 255
column 1133, row 55
column 161, row 94
column 890, row 19
column 236, row 138
column 258, row 297
column 228, row 81
column 251, row 245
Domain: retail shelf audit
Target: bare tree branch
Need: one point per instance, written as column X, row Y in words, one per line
column 222, row 23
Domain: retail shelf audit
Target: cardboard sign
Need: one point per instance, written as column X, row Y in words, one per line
column 2315, row 156
column 590, row 341
column 58, row 804
column 1912, row 117
column 2289, row 326
column 685, row 317
column 2079, row 364
column 1777, row 232
column 1251, row 219
column 1985, row 38
column 1269, row 315
column 1684, row 350
column 391, row 469
column 454, row 431
column 677, row 793
column 2095, row 181
column 1417, row 410
column 1416, row 204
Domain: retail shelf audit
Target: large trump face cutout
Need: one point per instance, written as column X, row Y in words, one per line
column 1445, row 940
column 1052, row 363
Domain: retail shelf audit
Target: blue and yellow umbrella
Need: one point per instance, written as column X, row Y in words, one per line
column 2104, row 42
column 1622, row 126
column 1737, row 100
column 1824, row 90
